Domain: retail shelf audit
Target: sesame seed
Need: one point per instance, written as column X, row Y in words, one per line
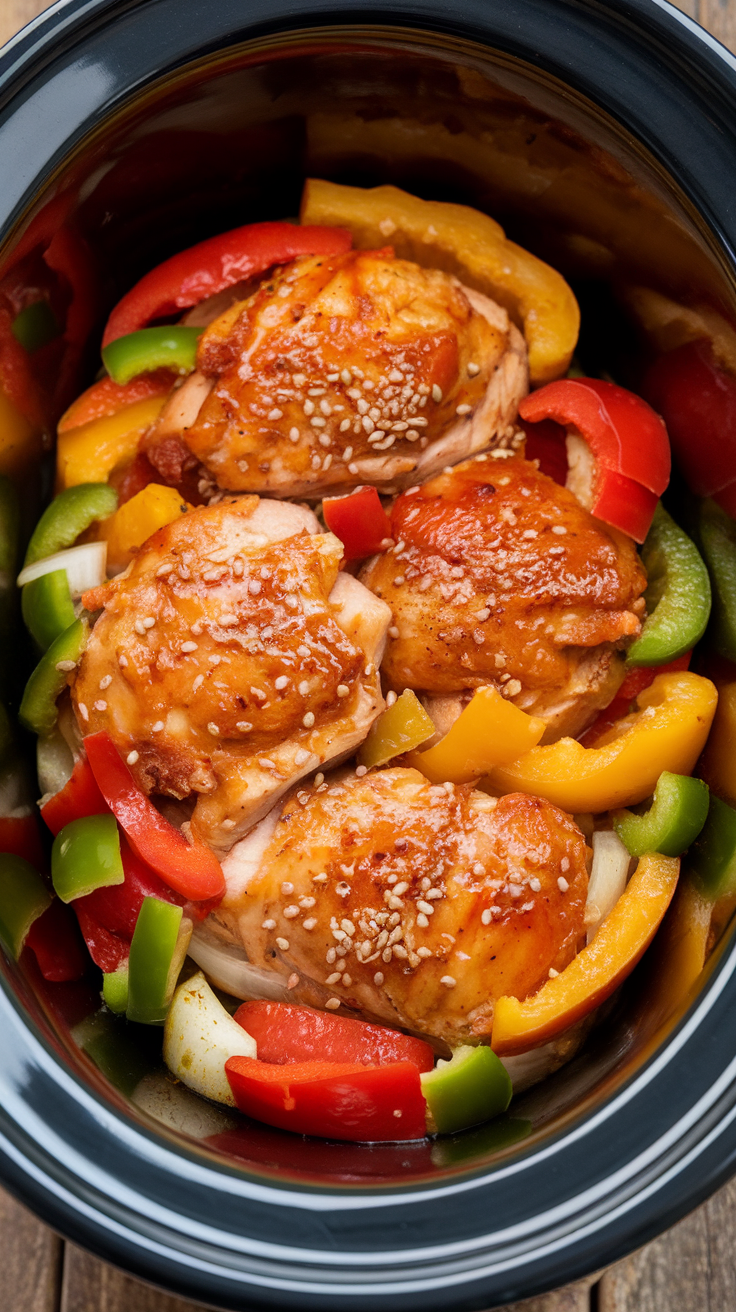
column 66, row 667
column 309, row 407
column 424, row 952
column 282, row 944
column 463, row 409
column 562, row 884
column 332, row 1004
column 334, row 978
column 360, row 770
column 157, row 727
column 140, row 628
column 301, row 757
column 390, row 698
column 319, row 879
column 244, row 726
column 254, row 587
column 352, row 468
column 198, row 682
column 473, row 368
column 83, row 711
column 422, row 920
column 212, row 728
column 553, row 973
column 122, row 662
column 449, row 981
column 275, row 414
column 290, row 912
column 346, row 377
column 436, row 393
column 310, row 922
column 132, row 758
column 393, row 631
column 100, row 705
column 535, row 885
column 343, row 690
column 378, row 978
column 308, row 720
column 426, row 907
column 318, row 422
column 485, row 916
column 565, row 863
column 266, row 763
column 292, row 981
column 559, row 529
column 294, row 434
column 512, row 688
column 268, row 924
column 189, row 646
column 282, row 682
column 368, row 424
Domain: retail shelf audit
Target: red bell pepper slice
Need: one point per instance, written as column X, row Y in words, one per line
column 116, row 906
column 57, row 944
column 545, row 442
column 105, row 398
column 335, row 1100
column 19, row 835
column 286, row 1033
column 210, row 266
column 635, row 682
column 79, row 797
column 109, row 951
column 359, row 521
column 697, row 400
column 189, row 868
column 627, row 439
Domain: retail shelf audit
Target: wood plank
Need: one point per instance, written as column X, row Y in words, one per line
column 692, row 1268
column 90, row 1285
column 689, row 7
column 31, row 1260
column 13, row 15
column 719, row 16
column 574, row 1298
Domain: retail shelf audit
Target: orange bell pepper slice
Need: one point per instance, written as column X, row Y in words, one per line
column 598, row 970
column 438, row 234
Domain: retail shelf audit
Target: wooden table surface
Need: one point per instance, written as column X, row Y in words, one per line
column 692, row 1268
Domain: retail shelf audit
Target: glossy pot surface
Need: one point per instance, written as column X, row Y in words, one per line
column 603, row 136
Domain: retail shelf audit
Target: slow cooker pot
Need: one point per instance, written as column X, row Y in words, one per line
column 603, row 136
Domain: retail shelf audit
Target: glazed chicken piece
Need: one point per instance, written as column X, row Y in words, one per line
column 357, row 368
column 499, row 576
column 413, row 904
column 231, row 659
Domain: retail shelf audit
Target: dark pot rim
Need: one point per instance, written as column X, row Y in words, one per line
column 612, row 1177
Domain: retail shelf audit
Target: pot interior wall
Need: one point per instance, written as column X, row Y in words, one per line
column 231, row 140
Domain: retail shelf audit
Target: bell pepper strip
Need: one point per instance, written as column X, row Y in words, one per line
column 596, row 972
column 157, row 951
column 115, row 990
column 189, row 868
column 628, row 467
column 334, row 1100
column 545, row 443
column 79, row 797
column 56, row 942
column 400, row 728
column 173, row 348
column 35, row 326
column 697, row 400
column 207, row 268
column 667, row 732
column 678, row 594
column 86, row 856
column 109, row 951
column 23, row 898
column 359, row 521
column 473, row 1087
column 712, row 860
column 674, row 820
column 635, row 681
column 717, row 765
column 717, row 540
column 445, row 235
column 47, row 608
column 137, row 519
column 679, row 951
column 106, row 398
column 68, row 516
column 287, row 1033
column 116, row 906
column 26, row 401
column 37, row 710
column 90, row 453
column 19, row 835
column 490, row 731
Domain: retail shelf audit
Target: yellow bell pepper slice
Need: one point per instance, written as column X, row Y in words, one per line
column 464, row 242
column 89, row 454
column 718, row 766
column 594, row 974
column 490, row 731
column 667, row 732
column 400, row 728
column 150, row 509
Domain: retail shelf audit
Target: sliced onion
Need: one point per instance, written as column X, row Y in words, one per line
column 54, row 763
column 607, row 878
column 227, row 966
column 85, row 567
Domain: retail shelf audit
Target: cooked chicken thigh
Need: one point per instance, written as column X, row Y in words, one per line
column 231, row 659
column 345, row 370
column 414, row 904
column 499, row 576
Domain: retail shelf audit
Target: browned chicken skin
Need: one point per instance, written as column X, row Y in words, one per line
column 500, row 576
column 337, row 371
column 231, row 659
column 418, row 905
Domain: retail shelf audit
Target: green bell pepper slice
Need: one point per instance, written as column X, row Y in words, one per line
column 35, row 326
column 86, row 856
column 38, row 710
column 47, row 607
column 472, row 1087
column 712, row 859
column 717, row 539
column 152, row 348
column 23, row 898
column 115, row 990
column 157, row 951
column 678, row 812
column 678, row 594
column 69, row 515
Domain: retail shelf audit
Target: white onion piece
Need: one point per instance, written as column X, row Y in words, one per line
column 607, row 878
column 228, row 968
column 199, row 1037
column 54, row 763
column 85, row 567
